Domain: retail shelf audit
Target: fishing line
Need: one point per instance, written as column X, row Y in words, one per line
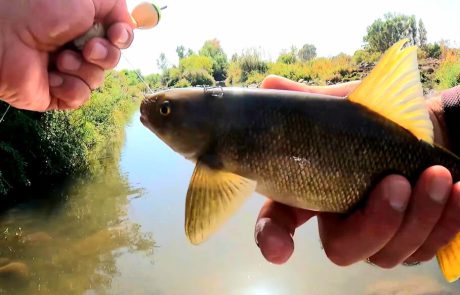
column 158, row 9
column 126, row 59
column 4, row 114
column 144, row 12
column 137, row 73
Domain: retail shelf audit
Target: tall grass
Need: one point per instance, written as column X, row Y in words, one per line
column 448, row 73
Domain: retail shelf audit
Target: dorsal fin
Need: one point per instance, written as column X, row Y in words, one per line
column 393, row 89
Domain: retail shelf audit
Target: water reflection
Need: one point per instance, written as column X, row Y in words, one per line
column 70, row 243
column 230, row 263
column 98, row 239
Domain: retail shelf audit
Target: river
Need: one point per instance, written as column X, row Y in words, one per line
column 122, row 233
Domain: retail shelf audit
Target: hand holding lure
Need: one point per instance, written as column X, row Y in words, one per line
column 145, row 16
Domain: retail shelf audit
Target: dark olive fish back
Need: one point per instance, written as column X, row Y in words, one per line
column 318, row 153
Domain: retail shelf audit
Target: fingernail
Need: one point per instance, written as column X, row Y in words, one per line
column 123, row 38
column 70, row 62
column 438, row 189
column 55, row 80
column 397, row 193
column 99, row 52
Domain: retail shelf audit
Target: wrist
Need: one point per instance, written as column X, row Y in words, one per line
column 436, row 112
column 450, row 101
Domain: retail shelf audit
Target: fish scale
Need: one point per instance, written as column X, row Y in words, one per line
column 308, row 151
column 344, row 159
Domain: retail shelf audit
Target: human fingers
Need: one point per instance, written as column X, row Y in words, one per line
column 112, row 11
column 121, row 35
column 275, row 227
column 277, row 82
column 72, row 63
column 428, row 200
column 102, row 53
column 445, row 230
column 67, row 92
column 354, row 238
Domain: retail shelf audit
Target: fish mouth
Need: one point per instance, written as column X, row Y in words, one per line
column 143, row 120
column 147, row 105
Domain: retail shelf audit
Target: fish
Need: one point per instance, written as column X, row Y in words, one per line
column 308, row 151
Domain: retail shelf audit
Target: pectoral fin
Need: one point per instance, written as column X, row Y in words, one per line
column 449, row 260
column 213, row 196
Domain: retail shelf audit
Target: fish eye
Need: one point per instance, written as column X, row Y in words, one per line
column 165, row 108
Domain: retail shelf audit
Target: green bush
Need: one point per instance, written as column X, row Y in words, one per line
column 40, row 149
column 214, row 51
column 196, row 63
column 331, row 69
column 288, row 58
column 171, row 76
column 255, row 78
column 363, row 55
column 296, row 71
column 153, row 80
column 448, row 74
column 433, row 50
column 183, row 83
column 251, row 61
column 234, row 74
column 199, row 77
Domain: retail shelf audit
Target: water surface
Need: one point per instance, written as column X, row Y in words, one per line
column 122, row 233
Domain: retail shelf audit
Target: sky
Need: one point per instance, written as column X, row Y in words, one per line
column 333, row 26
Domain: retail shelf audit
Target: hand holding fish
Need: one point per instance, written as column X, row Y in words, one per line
column 37, row 70
column 399, row 224
column 332, row 151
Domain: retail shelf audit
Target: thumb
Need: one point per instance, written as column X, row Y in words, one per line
column 275, row 227
column 277, row 82
column 63, row 21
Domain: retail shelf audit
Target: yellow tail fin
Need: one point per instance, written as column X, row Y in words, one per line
column 449, row 260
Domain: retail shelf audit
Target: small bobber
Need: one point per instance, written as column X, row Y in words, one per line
column 145, row 15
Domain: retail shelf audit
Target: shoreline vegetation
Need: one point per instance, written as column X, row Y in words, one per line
column 210, row 65
column 39, row 151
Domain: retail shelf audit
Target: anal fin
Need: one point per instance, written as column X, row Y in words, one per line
column 212, row 198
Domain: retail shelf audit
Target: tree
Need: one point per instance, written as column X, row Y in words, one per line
column 382, row 34
column 433, row 50
column 307, row 52
column 162, row 62
column 422, row 34
column 288, row 57
column 251, row 61
column 182, row 52
column 153, row 80
column 195, row 63
column 214, row 51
